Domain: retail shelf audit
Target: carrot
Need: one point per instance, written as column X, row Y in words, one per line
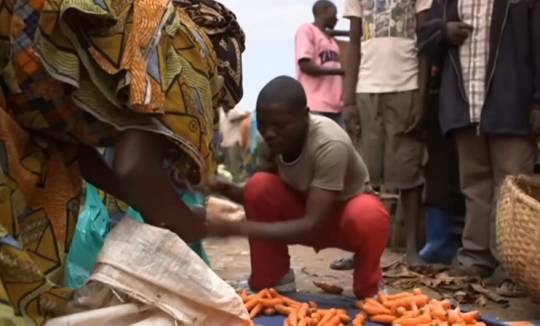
column 417, row 291
column 345, row 319
column 263, row 293
column 360, row 318
column 400, row 311
column 358, row 304
column 252, row 303
column 286, row 322
column 334, row 321
column 304, row 310
column 446, row 304
column 282, row 310
column 383, row 319
column 312, row 304
column 326, row 317
column 255, row 311
column 357, row 322
column 372, row 309
column 273, row 293
column 382, row 296
column 302, row 322
column 328, row 288
column 268, row 303
column 269, row 311
column 293, row 318
column 399, row 296
column 419, row 300
column 470, row 317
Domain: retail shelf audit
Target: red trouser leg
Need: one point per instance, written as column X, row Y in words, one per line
column 360, row 225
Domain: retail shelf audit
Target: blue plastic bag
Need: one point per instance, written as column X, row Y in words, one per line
column 90, row 232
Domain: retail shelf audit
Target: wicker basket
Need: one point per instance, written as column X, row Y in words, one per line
column 518, row 232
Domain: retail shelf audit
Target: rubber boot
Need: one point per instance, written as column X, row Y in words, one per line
column 438, row 248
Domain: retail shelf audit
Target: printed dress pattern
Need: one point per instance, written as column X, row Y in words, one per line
column 389, row 18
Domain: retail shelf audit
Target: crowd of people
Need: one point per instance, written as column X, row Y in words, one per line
column 458, row 78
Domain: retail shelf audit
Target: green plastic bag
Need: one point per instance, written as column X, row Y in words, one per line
column 92, row 227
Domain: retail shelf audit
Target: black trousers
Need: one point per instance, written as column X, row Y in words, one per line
column 442, row 169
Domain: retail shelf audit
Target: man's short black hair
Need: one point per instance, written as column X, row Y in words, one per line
column 283, row 90
column 320, row 5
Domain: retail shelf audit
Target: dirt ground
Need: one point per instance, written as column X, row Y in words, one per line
column 230, row 260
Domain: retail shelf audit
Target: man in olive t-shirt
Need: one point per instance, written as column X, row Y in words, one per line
column 312, row 189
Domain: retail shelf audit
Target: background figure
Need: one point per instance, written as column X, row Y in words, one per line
column 230, row 125
column 318, row 65
column 490, row 104
column 444, row 200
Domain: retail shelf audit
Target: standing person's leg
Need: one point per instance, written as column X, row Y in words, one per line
column 443, row 197
column 476, row 179
column 370, row 146
column 511, row 155
column 360, row 225
column 404, row 156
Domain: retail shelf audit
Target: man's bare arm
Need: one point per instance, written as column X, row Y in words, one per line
column 308, row 67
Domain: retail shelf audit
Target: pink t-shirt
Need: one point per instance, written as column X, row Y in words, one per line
column 323, row 92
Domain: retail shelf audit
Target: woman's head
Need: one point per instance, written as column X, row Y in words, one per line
column 228, row 40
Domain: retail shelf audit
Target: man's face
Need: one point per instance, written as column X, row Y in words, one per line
column 331, row 17
column 280, row 127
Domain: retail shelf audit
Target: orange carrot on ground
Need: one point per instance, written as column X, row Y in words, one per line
column 334, row 321
column 470, row 317
column 383, row 319
column 372, row 309
column 399, row 296
column 269, row 303
column 252, row 303
column 417, row 291
column 329, row 288
column 345, row 319
column 293, row 317
column 304, row 310
column 419, row 300
column 269, row 311
column 283, row 310
column 382, row 296
column 312, row 304
column 255, row 311
column 326, row 317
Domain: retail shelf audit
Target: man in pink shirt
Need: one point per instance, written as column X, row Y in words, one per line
column 318, row 66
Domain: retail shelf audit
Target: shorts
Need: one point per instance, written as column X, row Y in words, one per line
column 393, row 158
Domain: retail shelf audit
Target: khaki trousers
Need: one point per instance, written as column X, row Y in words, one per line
column 484, row 162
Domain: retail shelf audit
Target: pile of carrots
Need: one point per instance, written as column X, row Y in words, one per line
column 415, row 309
column 402, row 309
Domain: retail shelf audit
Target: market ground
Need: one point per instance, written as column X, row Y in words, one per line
column 230, row 260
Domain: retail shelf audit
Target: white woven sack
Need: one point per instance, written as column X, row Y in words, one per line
column 157, row 280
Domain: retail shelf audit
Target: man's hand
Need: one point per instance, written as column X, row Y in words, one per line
column 223, row 228
column 457, row 32
column 415, row 119
column 534, row 120
column 352, row 120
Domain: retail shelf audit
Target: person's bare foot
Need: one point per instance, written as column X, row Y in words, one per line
column 509, row 289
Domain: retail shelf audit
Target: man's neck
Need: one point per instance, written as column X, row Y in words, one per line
column 293, row 154
column 320, row 24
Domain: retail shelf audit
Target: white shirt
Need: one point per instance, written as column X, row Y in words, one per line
column 389, row 60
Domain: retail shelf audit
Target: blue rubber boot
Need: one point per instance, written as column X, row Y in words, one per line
column 438, row 248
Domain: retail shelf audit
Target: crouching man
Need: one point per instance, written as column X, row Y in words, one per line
column 312, row 189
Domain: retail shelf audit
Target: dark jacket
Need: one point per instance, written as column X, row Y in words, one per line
column 513, row 74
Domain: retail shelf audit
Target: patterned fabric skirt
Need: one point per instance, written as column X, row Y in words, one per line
column 79, row 72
